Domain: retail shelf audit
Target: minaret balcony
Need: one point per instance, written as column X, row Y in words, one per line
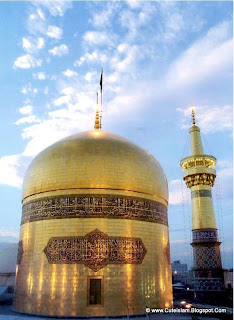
column 198, row 160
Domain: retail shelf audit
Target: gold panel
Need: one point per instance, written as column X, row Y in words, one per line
column 93, row 160
column 203, row 216
column 61, row 289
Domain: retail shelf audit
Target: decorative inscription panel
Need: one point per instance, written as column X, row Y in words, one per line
column 201, row 193
column 95, row 250
column 95, row 207
column 205, row 235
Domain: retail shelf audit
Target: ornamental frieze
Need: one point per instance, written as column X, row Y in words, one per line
column 201, row 193
column 95, row 207
column 205, row 235
column 95, row 250
column 206, row 179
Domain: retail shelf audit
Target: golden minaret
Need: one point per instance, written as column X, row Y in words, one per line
column 199, row 175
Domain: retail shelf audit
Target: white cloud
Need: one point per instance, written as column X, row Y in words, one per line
column 61, row 100
column 210, row 119
column 90, row 76
column 9, row 233
column 35, row 23
column 41, row 14
column 210, row 55
column 60, row 50
column 39, row 75
column 54, row 32
column 91, row 57
column 28, row 89
column 178, row 193
column 69, row 96
column 29, row 119
column 55, row 128
column 104, row 18
column 40, row 43
column 26, row 109
column 12, row 170
column 132, row 55
column 55, row 8
column 223, row 188
column 97, row 38
column 68, row 90
column 70, row 73
column 26, row 62
column 32, row 17
column 32, row 45
column 46, row 90
column 26, row 44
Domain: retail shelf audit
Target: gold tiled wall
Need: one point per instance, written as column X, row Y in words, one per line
column 203, row 211
column 61, row 289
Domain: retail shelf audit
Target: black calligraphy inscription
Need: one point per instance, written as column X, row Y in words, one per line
column 95, row 207
column 95, row 250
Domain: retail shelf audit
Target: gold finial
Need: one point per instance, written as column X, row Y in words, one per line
column 193, row 115
column 97, row 120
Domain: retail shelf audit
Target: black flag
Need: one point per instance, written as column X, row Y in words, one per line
column 101, row 81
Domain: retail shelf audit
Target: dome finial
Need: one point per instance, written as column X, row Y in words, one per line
column 193, row 114
column 97, row 120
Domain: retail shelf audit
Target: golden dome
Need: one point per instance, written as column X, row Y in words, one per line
column 96, row 160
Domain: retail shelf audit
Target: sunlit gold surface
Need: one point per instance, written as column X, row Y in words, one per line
column 199, row 174
column 203, row 216
column 196, row 143
column 101, row 163
column 62, row 289
column 90, row 161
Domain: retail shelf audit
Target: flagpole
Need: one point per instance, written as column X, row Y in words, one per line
column 101, row 81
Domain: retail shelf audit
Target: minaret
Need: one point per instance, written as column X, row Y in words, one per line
column 199, row 175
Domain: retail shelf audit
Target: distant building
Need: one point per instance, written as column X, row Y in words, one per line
column 228, row 278
column 178, row 268
column 8, row 255
column 180, row 272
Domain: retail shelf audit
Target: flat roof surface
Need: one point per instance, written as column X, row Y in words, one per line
column 6, row 313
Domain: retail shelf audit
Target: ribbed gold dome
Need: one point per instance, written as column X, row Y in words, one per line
column 94, row 160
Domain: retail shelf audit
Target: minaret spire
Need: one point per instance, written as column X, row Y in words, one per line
column 196, row 143
column 193, row 114
column 199, row 175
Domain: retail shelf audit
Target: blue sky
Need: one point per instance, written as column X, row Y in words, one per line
column 158, row 59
